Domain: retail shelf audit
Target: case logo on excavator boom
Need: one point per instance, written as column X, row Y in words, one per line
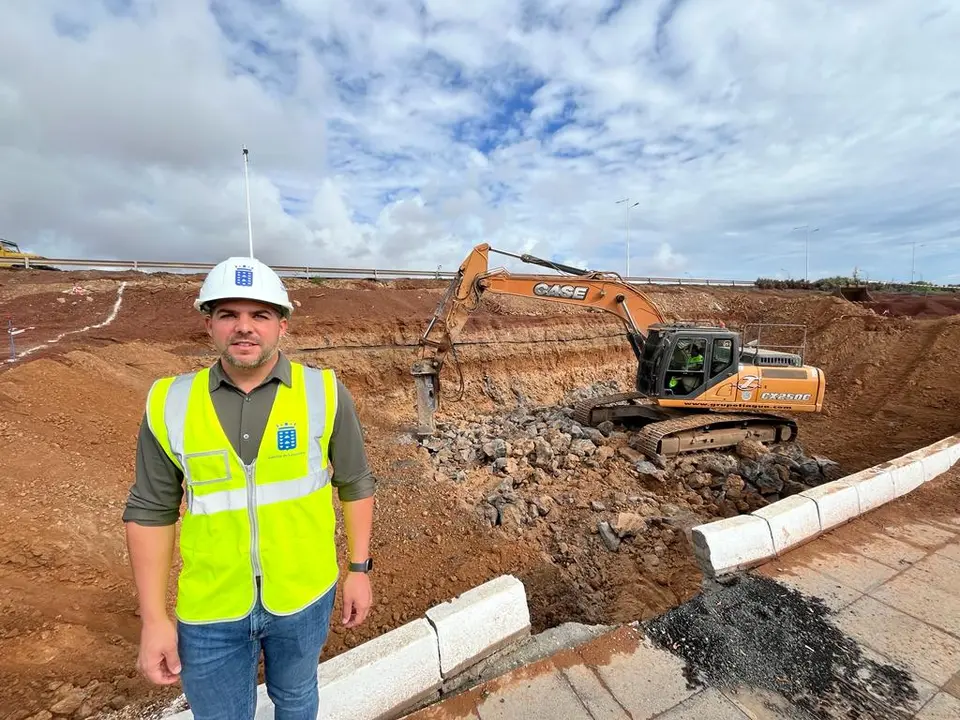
column 573, row 292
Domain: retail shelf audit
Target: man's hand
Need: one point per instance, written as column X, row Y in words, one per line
column 357, row 599
column 159, row 660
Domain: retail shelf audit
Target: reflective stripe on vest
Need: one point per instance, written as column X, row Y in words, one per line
column 273, row 518
column 319, row 426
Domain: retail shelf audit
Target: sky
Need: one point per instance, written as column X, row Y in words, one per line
column 402, row 133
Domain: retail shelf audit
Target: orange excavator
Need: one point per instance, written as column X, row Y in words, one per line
column 698, row 387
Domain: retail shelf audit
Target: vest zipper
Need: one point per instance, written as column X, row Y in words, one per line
column 254, row 529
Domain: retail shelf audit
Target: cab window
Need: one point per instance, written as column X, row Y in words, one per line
column 722, row 356
column 688, row 355
column 685, row 372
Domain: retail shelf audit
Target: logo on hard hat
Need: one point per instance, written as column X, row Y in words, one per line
column 286, row 437
column 243, row 276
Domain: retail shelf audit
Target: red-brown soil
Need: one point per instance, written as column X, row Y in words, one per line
column 69, row 415
column 936, row 304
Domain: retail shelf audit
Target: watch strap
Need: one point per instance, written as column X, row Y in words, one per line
column 363, row 567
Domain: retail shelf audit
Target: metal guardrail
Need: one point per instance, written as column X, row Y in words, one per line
column 318, row 272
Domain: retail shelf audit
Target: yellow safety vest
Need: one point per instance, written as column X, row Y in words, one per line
column 273, row 518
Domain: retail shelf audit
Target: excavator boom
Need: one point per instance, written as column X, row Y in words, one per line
column 603, row 291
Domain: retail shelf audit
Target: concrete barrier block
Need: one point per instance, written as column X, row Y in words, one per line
column 937, row 463
column 382, row 677
column 874, row 487
column 954, row 452
column 837, row 502
column 479, row 622
column 731, row 544
column 792, row 521
column 907, row 476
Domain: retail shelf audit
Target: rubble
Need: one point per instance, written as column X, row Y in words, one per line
column 529, row 447
column 593, row 502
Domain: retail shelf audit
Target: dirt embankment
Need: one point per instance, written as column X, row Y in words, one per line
column 918, row 305
column 69, row 415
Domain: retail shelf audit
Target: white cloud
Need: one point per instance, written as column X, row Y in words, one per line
column 401, row 134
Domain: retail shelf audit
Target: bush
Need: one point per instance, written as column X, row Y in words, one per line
column 833, row 283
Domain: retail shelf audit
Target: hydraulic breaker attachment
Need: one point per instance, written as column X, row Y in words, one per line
column 427, row 379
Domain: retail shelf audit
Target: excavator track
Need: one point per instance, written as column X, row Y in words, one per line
column 709, row 431
column 583, row 411
column 666, row 433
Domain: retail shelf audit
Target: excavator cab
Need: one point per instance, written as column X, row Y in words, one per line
column 681, row 362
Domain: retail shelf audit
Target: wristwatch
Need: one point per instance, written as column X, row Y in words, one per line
column 362, row 567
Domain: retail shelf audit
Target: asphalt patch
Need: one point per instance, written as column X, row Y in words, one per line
column 755, row 632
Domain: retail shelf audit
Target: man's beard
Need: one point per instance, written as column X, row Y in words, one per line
column 265, row 354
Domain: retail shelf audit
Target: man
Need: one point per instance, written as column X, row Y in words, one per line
column 687, row 359
column 256, row 443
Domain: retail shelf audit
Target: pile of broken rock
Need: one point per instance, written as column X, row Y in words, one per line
column 530, row 452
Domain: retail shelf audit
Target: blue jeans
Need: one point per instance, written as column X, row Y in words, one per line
column 220, row 661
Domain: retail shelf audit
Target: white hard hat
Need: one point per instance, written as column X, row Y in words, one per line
column 247, row 278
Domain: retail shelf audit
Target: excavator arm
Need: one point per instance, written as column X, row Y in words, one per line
column 604, row 291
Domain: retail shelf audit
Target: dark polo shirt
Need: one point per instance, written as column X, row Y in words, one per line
column 155, row 496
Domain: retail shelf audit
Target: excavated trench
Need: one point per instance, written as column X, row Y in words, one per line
column 509, row 485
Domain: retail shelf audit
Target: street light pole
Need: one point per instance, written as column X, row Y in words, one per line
column 629, row 208
column 913, row 260
column 806, row 250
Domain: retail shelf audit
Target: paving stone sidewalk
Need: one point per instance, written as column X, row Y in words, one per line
column 893, row 588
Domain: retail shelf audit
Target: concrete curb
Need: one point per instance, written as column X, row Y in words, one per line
column 732, row 544
column 402, row 668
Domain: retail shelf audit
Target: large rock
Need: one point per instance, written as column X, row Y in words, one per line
column 810, row 472
column 762, row 475
column 511, row 516
column 608, row 536
column 435, row 444
column 522, row 447
column 69, row 703
column 604, row 453
column 698, row 480
column 768, row 479
column 495, row 448
column 583, row 447
column 505, row 466
column 733, row 487
column 647, row 469
column 717, row 464
column 751, row 449
column 829, row 469
column 543, row 453
column 558, row 440
column 594, row 435
column 629, row 524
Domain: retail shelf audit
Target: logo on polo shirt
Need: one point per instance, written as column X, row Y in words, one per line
column 243, row 276
column 286, row 436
